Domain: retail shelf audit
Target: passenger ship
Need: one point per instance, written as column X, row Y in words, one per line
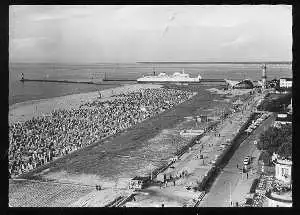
column 177, row 77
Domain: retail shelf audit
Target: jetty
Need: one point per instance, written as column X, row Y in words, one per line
column 58, row 81
column 65, row 81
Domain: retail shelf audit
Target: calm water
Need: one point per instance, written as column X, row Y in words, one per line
column 20, row 92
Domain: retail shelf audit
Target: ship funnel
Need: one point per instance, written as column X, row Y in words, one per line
column 199, row 77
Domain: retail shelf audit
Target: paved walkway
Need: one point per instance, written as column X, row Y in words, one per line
column 231, row 185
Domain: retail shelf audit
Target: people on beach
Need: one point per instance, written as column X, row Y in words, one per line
column 45, row 138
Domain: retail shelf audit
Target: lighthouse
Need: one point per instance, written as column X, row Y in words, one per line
column 264, row 76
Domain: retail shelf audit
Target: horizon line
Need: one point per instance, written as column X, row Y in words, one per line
column 166, row 62
column 214, row 62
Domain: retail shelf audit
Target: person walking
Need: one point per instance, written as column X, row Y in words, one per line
column 247, row 175
column 237, row 166
column 174, row 182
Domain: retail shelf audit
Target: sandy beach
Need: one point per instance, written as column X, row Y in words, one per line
column 23, row 111
column 87, row 173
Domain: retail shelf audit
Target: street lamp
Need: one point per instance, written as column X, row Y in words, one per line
column 230, row 200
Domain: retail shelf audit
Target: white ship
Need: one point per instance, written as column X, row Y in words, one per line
column 176, row 77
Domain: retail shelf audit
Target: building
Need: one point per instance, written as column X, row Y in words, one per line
column 283, row 119
column 283, row 170
column 285, row 82
column 138, row 182
column 280, row 195
column 244, row 84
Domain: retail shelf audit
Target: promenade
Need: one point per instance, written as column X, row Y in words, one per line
column 209, row 147
column 232, row 185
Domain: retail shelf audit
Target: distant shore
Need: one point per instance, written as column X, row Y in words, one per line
column 23, row 111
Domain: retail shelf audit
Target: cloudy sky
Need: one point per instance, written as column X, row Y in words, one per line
column 95, row 34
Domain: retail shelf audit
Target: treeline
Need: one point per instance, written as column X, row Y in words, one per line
column 275, row 104
column 278, row 140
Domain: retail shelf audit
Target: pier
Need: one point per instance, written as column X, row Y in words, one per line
column 64, row 81
column 58, row 81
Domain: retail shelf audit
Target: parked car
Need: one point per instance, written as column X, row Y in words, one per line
column 246, row 160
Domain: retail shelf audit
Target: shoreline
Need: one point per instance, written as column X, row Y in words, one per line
column 24, row 111
column 63, row 176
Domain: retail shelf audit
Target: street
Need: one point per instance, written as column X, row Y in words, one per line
column 220, row 195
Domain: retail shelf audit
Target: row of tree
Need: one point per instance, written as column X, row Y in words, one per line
column 278, row 140
column 278, row 104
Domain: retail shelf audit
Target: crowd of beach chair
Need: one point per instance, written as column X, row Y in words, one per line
column 45, row 138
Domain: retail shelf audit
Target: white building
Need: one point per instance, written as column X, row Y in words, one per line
column 285, row 82
column 283, row 119
column 283, row 170
column 280, row 195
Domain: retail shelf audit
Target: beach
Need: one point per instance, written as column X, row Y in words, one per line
column 23, row 111
column 114, row 161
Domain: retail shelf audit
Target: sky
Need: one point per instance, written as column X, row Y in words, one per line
column 102, row 34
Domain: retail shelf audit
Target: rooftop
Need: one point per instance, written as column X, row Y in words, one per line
column 284, row 161
column 287, row 79
column 286, row 119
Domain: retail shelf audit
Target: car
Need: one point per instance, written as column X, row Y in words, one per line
column 249, row 130
column 255, row 142
column 246, row 161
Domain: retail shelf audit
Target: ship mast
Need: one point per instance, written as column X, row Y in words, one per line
column 153, row 69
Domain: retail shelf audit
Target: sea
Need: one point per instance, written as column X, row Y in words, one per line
column 21, row 92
